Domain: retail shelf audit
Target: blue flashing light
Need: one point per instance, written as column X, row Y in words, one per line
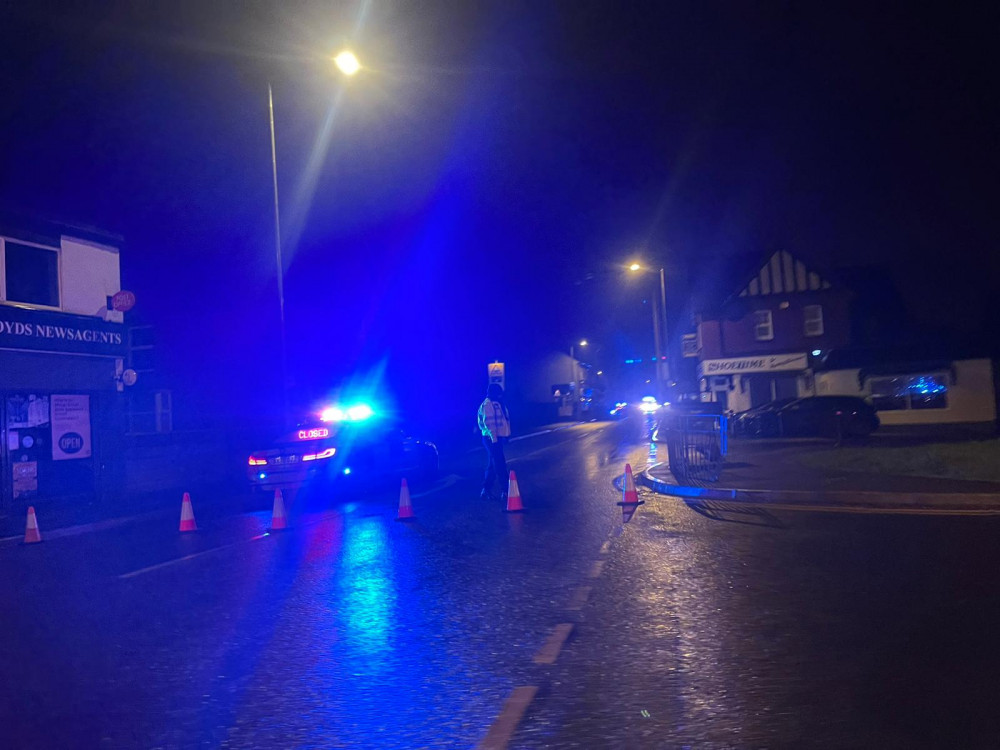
column 817, row 352
column 262, row 475
column 347, row 470
column 354, row 413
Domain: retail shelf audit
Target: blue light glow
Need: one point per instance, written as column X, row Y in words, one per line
column 355, row 413
column 817, row 352
column 347, row 470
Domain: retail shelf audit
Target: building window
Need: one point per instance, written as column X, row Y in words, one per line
column 901, row 392
column 813, row 320
column 31, row 274
column 763, row 327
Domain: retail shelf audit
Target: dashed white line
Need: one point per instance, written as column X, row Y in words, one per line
column 548, row 653
column 595, row 571
column 580, row 597
column 510, row 716
column 176, row 560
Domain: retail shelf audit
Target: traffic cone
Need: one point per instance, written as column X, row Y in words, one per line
column 31, row 533
column 629, row 495
column 278, row 519
column 187, row 515
column 513, row 495
column 405, row 508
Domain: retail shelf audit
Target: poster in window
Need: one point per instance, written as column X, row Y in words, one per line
column 25, row 479
column 70, row 427
column 27, row 411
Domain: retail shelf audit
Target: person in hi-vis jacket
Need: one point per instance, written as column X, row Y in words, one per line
column 494, row 423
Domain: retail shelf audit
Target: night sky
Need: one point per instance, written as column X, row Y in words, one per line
column 447, row 206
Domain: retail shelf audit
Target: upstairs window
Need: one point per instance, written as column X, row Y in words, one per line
column 763, row 326
column 31, row 274
column 813, row 317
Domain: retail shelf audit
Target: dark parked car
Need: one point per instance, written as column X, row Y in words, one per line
column 761, row 420
column 825, row 416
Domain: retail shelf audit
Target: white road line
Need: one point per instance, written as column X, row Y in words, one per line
column 605, row 547
column 510, row 716
column 86, row 528
column 595, row 571
column 550, row 651
column 176, row 560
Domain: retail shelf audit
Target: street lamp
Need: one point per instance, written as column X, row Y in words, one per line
column 658, row 324
column 348, row 64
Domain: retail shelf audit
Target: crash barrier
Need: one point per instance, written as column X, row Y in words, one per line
column 696, row 445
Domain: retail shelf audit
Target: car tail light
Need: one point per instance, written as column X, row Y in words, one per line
column 328, row 453
column 254, row 461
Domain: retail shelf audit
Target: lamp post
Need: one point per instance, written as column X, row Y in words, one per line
column 348, row 64
column 659, row 326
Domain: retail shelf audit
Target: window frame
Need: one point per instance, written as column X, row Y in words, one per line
column 818, row 318
column 3, row 274
column 757, row 325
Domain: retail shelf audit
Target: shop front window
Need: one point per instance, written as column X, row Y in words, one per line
column 926, row 391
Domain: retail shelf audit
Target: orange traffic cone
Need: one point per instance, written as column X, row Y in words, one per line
column 405, row 509
column 629, row 495
column 278, row 519
column 513, row 495
column 187, row 515
column 31, row 533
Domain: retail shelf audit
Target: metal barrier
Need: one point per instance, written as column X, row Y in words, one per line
column 696, row 445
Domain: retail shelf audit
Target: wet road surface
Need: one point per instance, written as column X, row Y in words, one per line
column 353, row 630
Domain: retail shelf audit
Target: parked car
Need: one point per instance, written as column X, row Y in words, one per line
column 761, row 420
column 826, row 416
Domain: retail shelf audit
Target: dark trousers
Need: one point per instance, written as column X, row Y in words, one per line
column 496, row 466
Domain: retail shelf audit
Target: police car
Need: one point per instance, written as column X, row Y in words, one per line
column 350, row 443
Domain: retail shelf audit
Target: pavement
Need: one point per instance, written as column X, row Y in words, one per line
column 768, row 471
column 562, row 627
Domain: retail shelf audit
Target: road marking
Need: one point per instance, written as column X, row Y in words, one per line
column 605, row 547
column 595, row 571
column 580, row 596
column 510, row 716
column 176, row 560
column 550, row 651
column 86, row 528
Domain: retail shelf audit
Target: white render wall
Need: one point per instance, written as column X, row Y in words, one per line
column 89, row 273
column 970, row 397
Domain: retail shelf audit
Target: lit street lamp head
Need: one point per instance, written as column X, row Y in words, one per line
column 347, row 62
column 583, row 342
column 635, row 267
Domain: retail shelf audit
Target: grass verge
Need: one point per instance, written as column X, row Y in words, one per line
column 973, row 460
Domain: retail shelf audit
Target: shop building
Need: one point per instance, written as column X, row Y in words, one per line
column 761, row 343
column 61, row 364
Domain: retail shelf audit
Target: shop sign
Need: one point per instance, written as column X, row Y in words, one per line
column 70, row 427
column 123, row 301
column 766, row 363
column 41, row 330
